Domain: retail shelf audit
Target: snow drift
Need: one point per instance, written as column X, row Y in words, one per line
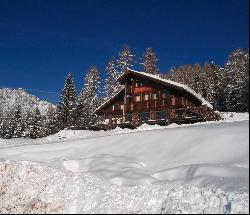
column 201, row 168
column 29, row 188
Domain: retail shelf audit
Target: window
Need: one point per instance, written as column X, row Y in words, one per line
column 122, row 107
column 144, row 116
column 138, row 84
column 155, row 96
column 164, row 95
column 160, row 115
column 128, row 99
column 145, row 97
column 128, row 118
column 138, row 98
column 167, row 93
column 116, row 107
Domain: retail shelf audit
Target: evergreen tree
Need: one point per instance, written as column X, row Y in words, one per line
column 217, row 94
column 126, row 60
column 111, row 85
column 88, row 99
column 66, row 109
column 36, row 125
column 61, row 116
column 205, row 82
column 149, row 62
column 197, row 78
column 10, row 126
column 18, row 123
column 50, row 122
column 237, row 89
column 1, row 128
column 227, row 88
column 5, row 131
column 28, row 124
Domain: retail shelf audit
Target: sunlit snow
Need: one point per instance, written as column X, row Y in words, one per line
column 200, row 168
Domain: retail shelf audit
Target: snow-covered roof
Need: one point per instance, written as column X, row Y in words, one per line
column 169, row 82
column 163, row 80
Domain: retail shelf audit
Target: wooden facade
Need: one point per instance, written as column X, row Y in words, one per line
column 149, row 99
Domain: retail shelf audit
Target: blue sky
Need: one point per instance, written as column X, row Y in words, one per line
column 42, row 40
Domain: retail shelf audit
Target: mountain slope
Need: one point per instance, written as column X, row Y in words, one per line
column 10, row 99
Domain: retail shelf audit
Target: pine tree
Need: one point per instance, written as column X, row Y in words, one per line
column 66, row 109
column 36, row 125
column 18, row 123
column 126, row 60
column 88, row 99
column 111, row 85
column 149, row 62
column 237, row 89
column 217, row 87
column 61, row 116
column 9, row 126
column 206, row 82
column 28, row 124
column 1, row 128
column 197, row 78
column 227, row 88
column 50, row 122
column 4, row 129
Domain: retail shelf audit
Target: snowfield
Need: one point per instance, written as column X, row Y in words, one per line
column 29, row 188
column 199, row 168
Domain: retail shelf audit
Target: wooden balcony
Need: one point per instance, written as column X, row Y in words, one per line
column 162, row 117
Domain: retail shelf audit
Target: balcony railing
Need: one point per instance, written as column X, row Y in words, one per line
column 168, row 116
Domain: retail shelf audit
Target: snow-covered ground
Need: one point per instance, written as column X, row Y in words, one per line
column 200, row 168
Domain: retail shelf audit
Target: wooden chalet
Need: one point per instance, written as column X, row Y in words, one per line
column 147, row 98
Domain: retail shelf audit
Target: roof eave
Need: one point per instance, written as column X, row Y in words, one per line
column 97, row 110
column 182, row 88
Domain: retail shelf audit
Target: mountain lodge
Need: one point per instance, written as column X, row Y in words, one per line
column 147, row 98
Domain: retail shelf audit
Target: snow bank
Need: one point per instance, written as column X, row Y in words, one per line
column 27, row 187
column 199, row 168
column 233, row 116
column 64, row 135
column 209, row 154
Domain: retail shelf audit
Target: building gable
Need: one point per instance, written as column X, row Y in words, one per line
column 152, row 99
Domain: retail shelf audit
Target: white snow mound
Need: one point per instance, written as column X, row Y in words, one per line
column 31, row 188
column 200, row 168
